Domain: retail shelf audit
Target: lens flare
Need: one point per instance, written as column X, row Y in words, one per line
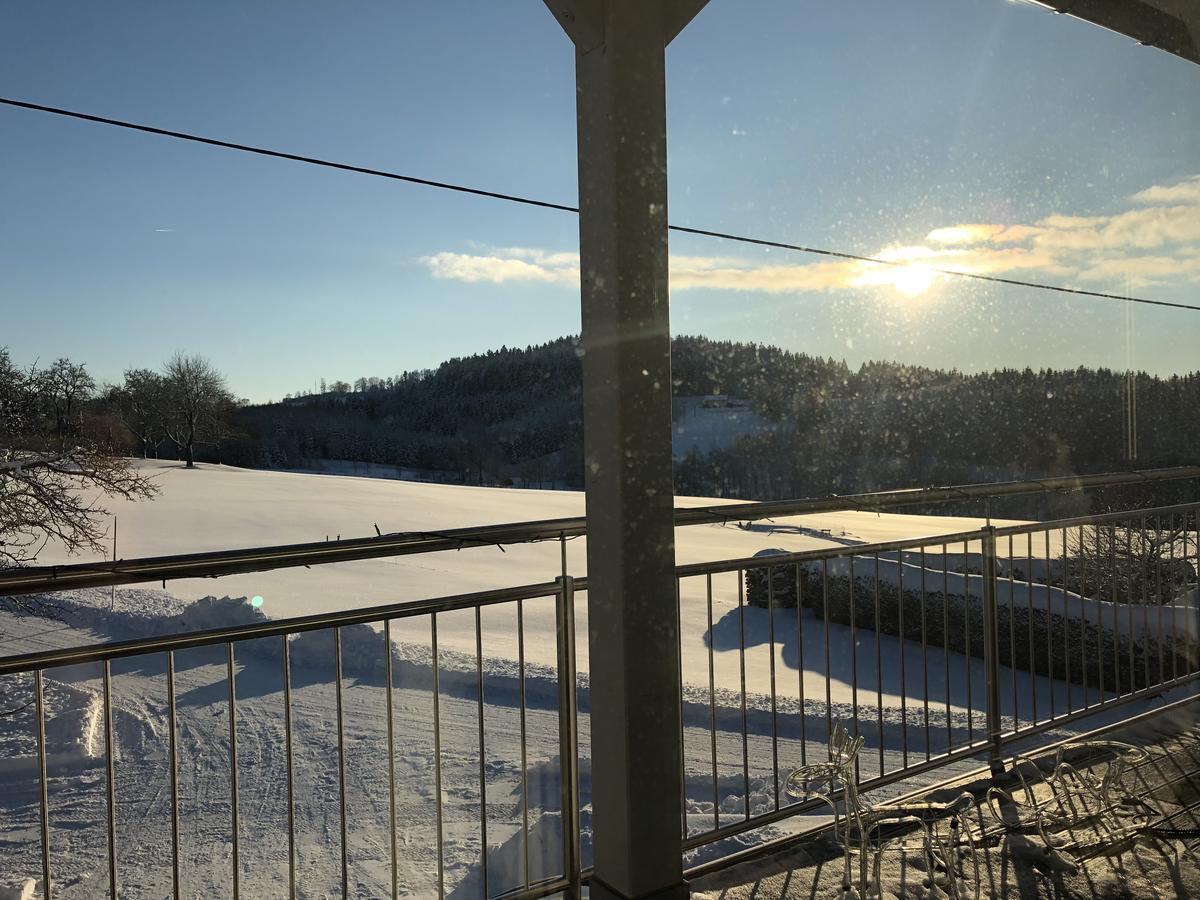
column 912, row 281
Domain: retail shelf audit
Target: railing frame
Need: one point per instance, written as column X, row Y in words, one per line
column 990, row 745
column 562, row 590
column 996, row 738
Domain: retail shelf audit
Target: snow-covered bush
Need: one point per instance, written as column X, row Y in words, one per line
column 363, row 654
column 1104, row 654
column 215, row 612
column 775, row 584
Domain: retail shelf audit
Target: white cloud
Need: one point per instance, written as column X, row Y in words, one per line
column 1141, row 271
column 1187, row 191
column 1155, row 241
column 498, row 269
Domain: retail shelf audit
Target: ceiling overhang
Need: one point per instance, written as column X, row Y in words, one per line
column 1170, row 25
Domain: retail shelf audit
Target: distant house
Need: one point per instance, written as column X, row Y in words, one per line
column 705, row 423
column 723, row 401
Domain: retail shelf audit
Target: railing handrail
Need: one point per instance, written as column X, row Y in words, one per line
column 273, row 628
column 928, row 540
column 217, row 563
column 877, row 500
column 1096, row 519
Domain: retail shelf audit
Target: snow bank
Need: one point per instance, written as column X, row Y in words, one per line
column 1049, row 631
column 19, row 890
column 1151, row 620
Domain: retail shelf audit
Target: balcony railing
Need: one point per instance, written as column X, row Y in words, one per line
column 937, row 650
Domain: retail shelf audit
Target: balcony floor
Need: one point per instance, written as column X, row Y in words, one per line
column 1018, row 865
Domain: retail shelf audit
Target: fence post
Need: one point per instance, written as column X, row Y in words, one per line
column 991, row 661
column 568, row 728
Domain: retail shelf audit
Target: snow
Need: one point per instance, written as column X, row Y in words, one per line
column 702, row 428
column 22, row 890
column 1148, row 619
column 218, row 507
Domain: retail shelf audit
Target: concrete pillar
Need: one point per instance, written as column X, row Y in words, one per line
column 635, row 679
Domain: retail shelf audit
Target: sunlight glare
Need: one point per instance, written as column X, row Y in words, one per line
column 912, row 281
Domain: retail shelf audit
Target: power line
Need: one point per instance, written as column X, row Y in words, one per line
column 279, row 154
column 932, row 270
column 561, row 207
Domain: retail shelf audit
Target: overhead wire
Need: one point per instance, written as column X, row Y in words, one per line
column 562, row 207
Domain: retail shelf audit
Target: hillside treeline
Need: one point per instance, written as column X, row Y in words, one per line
column 514, row 416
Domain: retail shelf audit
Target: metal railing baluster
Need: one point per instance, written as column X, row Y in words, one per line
column 1129, row 607
column 1030, row 664
column 391, row 752
column 1141, row 576
column 568, row 734
column 1049, row 614
column 173, row 774
column 742, row 675
column 1193, row 568
column 524, row 744
column 290, row 763
column 712, row 706
column 854, row 667
column 990, row 648
column 1158, row 611
column 437, row 755
column 483, row 842
column 1113, row 603
column 801, row 573
column 968, row 646
column 946, row 642
column 925, row 654
column 828, row 675
column 341, row 747
column 235, row 809
column 1066, row 623
column 878, row 667
column 679, row 669
column 1012, row 638
column 774, row 704
column 111, row 781
column 39, row 710
column 1084, row 618
column 1174, row 598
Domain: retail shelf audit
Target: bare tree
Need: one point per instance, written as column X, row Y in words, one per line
column 196, row 401
column 54, row 471
column 225, row 430
column 140, row 403
column 1133, row 562
column 64, row 387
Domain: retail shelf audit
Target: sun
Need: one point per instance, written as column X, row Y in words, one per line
column 912, row 281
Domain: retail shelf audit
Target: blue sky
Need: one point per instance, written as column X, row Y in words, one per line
column 862, row 125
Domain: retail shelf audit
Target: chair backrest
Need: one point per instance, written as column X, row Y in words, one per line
column 844, row 750
column 837, row 774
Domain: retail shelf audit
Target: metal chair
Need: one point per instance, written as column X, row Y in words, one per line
column 1074, row 797
column 869, row 830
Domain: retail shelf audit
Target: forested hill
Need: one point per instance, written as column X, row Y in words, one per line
column 514, row 416
column 504, row 415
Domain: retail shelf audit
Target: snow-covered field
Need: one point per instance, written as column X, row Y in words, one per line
column 216, row 507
